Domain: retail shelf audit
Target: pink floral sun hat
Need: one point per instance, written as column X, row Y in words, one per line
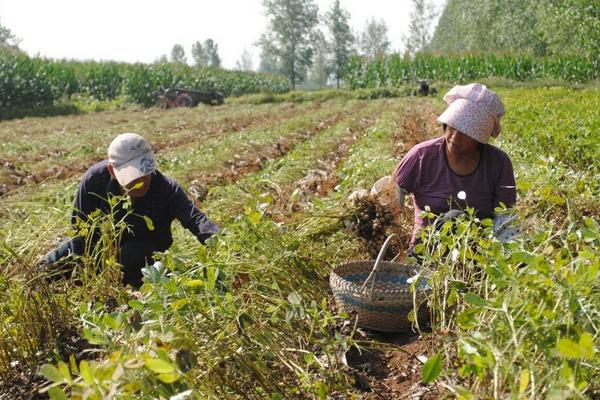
column 473, row 110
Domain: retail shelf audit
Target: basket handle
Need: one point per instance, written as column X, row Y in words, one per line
column 376, row 266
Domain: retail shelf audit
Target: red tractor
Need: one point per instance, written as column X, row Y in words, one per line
column 188, row 98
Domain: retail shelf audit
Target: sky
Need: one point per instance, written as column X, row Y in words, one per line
column 143, row 30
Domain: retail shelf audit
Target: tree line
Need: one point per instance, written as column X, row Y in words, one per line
column 537, row 27
column 305, row 45
column 302, row 44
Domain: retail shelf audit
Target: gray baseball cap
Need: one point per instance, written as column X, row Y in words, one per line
column 131, row 157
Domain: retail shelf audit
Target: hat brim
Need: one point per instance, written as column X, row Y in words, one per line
column 134, row 169
column 468, row 118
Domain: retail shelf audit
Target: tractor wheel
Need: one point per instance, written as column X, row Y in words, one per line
column 184, row 100
column 163, row 103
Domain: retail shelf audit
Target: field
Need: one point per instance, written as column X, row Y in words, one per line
column 251, row 314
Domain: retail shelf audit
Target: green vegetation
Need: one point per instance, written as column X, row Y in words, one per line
column 394, row 71
column 27, row 83
column 539, row 27
column 248, row 315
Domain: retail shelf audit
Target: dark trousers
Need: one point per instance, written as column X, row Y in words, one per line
column 133, row 256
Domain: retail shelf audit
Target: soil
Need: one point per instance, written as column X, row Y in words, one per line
column 25, row 383
column 321, row 181
column 254, row 160
column 393, row 373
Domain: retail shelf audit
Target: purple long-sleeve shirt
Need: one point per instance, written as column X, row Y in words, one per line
column 164, row 202
column 424, row 172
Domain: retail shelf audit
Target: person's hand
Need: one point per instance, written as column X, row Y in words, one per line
column 504, row 229
column 155, row 273
column 42, row 266
column 452, row 214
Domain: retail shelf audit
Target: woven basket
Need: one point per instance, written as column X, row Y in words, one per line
column 378, row 292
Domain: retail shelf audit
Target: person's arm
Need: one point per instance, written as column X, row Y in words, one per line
column 406, row 176
column 505, row 192
column 85, row 202
column 400, row 195
column 505, row 189
column 194, row 220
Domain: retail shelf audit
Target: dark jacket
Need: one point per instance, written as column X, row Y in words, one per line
column 164, row 202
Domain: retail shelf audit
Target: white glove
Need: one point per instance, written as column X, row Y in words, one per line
column 504, row 231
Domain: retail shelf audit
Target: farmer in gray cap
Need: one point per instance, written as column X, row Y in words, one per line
column 156, row 200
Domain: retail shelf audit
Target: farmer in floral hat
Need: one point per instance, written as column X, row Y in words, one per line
column 460, row 168
column 156, row 200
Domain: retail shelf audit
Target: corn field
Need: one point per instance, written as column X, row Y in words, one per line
column 33, row 82
column 394, row 70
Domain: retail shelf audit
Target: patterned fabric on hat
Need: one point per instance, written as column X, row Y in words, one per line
column 473, row 110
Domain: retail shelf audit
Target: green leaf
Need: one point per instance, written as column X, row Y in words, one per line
column 168, row 378
column 309, row 358
column 586, row 344
column 149, row 223
column 178, row 304
column 138, row 185
column 51, row 373
column 569, row 349
column 475, row 300
column 159, row 366
column 194, row 283
column 93, row 336
column 321, row 389
column 63, row 368
column 468, row 319
column 523, row 380
column 254, row 217
column 432, row 368
column 57, row 393
column 84, row 371
column 573, row 350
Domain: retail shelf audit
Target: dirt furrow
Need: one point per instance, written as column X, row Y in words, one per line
column 254, row 160
column 11, row 177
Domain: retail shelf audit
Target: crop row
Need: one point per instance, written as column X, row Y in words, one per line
column 394, row 70
column 245, row 316
column 26, row 162
column 215, row 327
column 32, row 82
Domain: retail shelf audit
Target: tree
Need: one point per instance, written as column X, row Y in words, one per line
column 321, row 66
column 342, row 39
column 207, row 54
column 374, row 41
column 268, row 60
column 162, row 59
column 571, row 26
column 199, row 55
column 178, row 54
column 540, row 27
column 289, row 36
column 212, row 53
column 419, row 28
column 7, row 39
column 245, row 62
